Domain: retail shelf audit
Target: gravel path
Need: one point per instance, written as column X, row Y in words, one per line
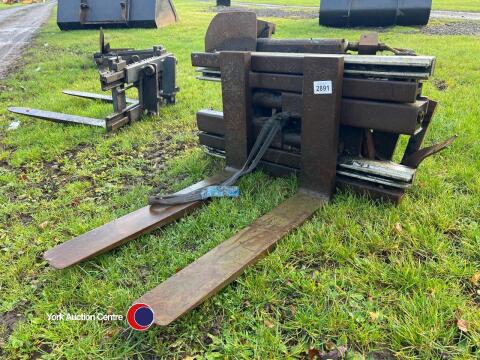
column 469, row 26
column 457, row 15
column 453, row 28
column 17, row 27
column 278, row 12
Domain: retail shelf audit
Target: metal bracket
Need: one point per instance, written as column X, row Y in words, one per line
column 415, row 159
column 322, row 96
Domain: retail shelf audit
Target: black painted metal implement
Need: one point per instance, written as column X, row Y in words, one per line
column 351, row 13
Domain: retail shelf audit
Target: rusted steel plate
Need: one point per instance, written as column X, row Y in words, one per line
column 273, row 155
column 394, row 91
column 322, row 107
column 418, row 157
column 389, row 117
column 416, row 141
column 310, row 46
column 210, row 131
column 409, row 67
column 166, row 13
column 124, row 229
column 237, row 107
column 282, row 157
column 212, row 141
column 212, row 272
column 374, row 192
column 208, row 60
column 292, row 160
column 399, row 118
column 279, row 63
column 368, row 44
column 265, row 29
column 402, row 67
column 282, row 82
column 276, row 169
column 211, row 121
column 289, row 140
column 384, row 144
column 395, row 118
column 232, row 31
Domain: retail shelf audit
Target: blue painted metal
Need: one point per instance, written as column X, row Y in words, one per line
column 220, row 191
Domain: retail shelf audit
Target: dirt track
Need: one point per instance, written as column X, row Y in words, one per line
column 17, row 27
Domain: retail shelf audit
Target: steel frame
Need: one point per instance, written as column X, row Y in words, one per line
column 374, row 113
column 222, row 265
column 153, row 77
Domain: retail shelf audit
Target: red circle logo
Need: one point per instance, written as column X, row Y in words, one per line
column 140, row 317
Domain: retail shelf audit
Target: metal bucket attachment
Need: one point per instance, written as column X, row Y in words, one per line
column 351, row 13
column 89, row 14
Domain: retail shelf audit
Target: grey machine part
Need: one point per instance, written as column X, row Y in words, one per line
column 92, row 14
column 154, row 78
column 129, row 55
column 352, row 13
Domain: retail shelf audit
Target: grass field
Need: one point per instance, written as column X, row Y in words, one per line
column 5, row 6
column 459, row 5
column 379, row 279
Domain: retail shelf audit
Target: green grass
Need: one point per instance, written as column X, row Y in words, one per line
column 345, row 277
column 8, row 6
column 459, row 5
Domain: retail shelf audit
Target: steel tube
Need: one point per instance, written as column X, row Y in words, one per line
column 395, row 118
column 311, row 46
column 391, row 90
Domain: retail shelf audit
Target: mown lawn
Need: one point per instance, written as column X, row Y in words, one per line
column 459, row 5
column 8, row 6
column 379, row 279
